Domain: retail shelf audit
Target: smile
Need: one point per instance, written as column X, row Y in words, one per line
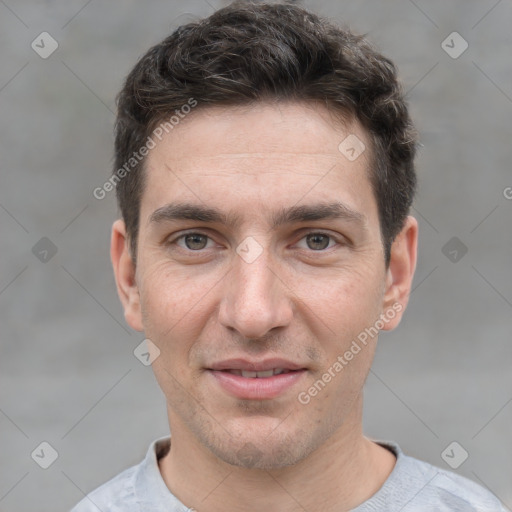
column 256, row 385
column 259, row 375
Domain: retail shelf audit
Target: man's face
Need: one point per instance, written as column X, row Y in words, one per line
column 234, row 296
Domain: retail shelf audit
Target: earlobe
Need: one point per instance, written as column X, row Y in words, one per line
column 124, row 272
column 400, row 272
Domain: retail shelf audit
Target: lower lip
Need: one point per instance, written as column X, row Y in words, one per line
column 248, row 388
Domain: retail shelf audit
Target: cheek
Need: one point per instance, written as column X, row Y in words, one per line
column 345, row 301
column 344, row 306
column 168, row 293
column 167, row 299
column 176, row 304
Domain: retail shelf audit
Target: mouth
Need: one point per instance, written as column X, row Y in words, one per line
column 259, row 375
column 263, row 380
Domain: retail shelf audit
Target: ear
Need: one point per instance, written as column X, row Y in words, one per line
column 124, row 272
column 400, row 273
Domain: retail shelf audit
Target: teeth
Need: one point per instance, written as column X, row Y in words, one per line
column 266, row 373
column 260, row 375
column 249, row 374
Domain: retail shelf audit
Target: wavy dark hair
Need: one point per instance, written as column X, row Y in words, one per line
column 249, row 52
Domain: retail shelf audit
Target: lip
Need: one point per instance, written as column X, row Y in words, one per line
column 255, row 366
column 265, row 388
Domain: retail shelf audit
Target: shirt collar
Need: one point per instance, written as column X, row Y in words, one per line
column 153, row 495
column 151, row 492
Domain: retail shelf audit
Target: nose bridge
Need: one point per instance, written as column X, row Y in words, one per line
column 254, row 301
column 255, row 280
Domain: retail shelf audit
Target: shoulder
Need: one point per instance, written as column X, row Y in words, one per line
column 456, row 492
column 140, row 487
column 115, row 495
column 423, row 486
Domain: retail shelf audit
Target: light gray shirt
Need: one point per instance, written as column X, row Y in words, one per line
column 412, row 486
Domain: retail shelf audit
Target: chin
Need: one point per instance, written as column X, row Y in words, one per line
column 262, row 445
column 254, row 456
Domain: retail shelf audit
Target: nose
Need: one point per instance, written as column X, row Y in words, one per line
column 255, row 299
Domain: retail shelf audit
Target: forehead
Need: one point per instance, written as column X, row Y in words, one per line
column 254, row 158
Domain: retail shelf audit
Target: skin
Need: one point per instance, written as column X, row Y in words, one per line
column 297, row 300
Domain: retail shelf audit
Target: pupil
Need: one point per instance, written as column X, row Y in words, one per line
column 194, row 238
column 316, row 240
column 197, row 241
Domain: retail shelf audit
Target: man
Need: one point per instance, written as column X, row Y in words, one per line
column 264, row 172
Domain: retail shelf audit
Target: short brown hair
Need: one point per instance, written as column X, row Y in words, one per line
column 249, row 52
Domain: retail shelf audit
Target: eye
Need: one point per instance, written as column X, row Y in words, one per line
column 192, row 241
column 318, row 241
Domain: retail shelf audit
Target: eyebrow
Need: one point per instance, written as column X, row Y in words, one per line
column 294, row 214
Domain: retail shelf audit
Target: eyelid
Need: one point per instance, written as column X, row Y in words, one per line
column 338, row 238
column 181, row 234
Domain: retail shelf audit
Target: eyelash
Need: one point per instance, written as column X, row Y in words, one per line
column 200, row 251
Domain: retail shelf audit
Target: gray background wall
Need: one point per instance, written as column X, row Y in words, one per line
column 68, row 373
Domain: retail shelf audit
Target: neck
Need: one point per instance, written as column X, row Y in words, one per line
column 342, row 473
